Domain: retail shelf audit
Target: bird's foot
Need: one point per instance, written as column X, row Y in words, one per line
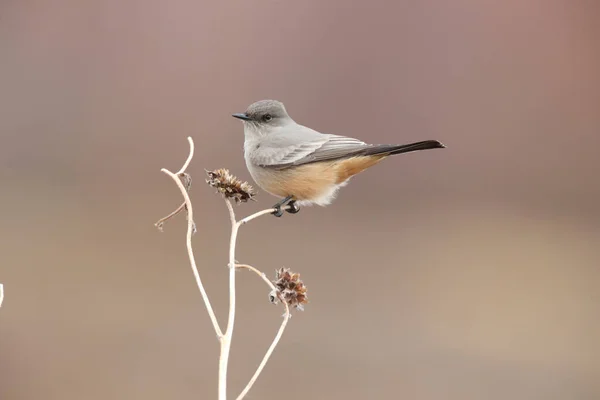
column 278, row 211
column 293, row 207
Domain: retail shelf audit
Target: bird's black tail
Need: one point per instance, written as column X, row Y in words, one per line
column 391, row 149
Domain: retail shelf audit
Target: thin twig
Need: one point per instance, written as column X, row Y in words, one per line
column 269, row 352
column 189, row 159
column 190, row 231
column 1, row 294
column 256, row 215
column 162, row 221
column 227, row 337
column 183, row 181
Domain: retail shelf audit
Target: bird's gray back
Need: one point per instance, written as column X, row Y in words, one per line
column 296, row 145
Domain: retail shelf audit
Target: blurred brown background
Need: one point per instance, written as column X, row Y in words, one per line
column 465, row 273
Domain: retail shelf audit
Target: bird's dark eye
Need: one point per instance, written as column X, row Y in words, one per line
column 267, row 117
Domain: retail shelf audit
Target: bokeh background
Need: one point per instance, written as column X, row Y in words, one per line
column 465, row 273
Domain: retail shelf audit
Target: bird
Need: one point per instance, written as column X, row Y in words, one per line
column 302, row 166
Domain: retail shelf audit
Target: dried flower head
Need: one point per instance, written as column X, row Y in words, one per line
column 289, row 288
column 230, row 186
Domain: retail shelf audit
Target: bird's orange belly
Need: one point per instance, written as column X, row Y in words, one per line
column 310, row 181
column 304, row 182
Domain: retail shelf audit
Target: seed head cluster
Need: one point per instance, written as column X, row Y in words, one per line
column 230, row 186
column 289, row 288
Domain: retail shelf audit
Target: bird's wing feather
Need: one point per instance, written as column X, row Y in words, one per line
column 281, row 149
column 302, row 146
column 335, row 147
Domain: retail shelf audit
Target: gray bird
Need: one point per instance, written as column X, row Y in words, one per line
column 303, row 166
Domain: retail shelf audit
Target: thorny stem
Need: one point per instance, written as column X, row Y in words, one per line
column 190, row 231
column 286, row 318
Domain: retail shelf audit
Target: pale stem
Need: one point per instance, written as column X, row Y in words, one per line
column 187, row 162
column 1, row 294
column 256, row 215
column 190, row 231
column 161, row 221
column 224, row 338
column 269, row 352
column 181, row 171
column 227, row 336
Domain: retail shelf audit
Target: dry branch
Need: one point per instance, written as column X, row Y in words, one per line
column 232, row 188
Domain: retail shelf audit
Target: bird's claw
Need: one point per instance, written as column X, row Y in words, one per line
column 293, row 207
column 278, row 211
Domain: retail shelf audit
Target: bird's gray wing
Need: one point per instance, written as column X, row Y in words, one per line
column 336, row 147
column 302, row 146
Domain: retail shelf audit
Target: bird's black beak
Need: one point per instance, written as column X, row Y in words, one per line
column 241, row 116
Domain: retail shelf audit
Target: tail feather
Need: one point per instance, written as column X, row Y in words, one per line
column 391, row 149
